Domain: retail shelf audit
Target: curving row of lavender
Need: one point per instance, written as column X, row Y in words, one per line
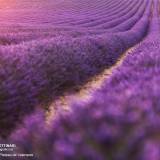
column 41, row 61
column 34, row 71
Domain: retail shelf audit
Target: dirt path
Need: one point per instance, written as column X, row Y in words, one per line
column 85, row 92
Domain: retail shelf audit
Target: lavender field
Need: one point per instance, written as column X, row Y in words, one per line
column 80, row 79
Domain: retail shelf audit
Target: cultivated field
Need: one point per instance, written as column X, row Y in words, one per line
column 80, row 79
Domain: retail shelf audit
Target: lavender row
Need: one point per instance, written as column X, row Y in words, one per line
column 115, row 10
column 115, row 21
column 120, row 11
column 119, row 20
